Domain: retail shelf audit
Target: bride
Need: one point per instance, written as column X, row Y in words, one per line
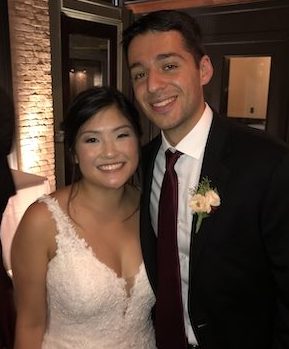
column 78, row 272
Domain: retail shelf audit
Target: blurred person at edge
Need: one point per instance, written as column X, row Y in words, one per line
column 7, row 309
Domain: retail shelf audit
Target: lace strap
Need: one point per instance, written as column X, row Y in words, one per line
column 60, row 218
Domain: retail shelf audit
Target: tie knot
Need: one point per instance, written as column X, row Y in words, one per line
column 171, row 158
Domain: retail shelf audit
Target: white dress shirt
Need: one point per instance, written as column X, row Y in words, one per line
column 188, row 169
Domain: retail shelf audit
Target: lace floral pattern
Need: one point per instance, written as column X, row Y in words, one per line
column 88, row 303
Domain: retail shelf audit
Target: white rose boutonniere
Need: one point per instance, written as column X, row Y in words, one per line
column 203, row 200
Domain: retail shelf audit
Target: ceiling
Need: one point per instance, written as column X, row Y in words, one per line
column 139, row 6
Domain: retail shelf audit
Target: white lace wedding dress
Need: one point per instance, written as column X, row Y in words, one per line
column 88, row 305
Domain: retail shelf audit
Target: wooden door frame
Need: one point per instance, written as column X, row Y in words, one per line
column 92, row 11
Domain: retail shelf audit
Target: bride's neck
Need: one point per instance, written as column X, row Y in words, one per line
column 102, row 198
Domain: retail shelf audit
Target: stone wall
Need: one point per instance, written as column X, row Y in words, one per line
column 32, row 86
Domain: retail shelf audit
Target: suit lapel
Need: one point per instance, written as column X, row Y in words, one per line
column 147, row 234
column 215, row 169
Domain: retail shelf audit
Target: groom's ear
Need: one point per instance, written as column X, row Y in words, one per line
column 206, row 70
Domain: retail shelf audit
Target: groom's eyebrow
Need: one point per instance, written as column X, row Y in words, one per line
column 159, row 57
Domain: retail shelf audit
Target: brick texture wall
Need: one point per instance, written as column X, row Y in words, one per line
column 32, row 86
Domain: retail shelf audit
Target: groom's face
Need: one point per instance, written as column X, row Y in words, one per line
column 167, row 83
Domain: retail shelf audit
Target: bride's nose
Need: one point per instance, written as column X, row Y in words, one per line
column 109, row 149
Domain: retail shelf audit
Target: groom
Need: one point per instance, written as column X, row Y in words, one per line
column 233, row 265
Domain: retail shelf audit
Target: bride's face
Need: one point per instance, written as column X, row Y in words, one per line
column 106, row 149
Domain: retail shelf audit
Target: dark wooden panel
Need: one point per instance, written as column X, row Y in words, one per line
column 93, row 7
column 5, row 57
column 256, row 29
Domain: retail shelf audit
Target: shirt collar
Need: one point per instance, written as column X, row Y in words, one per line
column 193, row 144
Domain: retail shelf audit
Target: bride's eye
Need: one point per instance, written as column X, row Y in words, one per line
column 91, row 140
column 123, row 135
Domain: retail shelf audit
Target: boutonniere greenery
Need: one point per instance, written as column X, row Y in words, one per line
column 203, row 200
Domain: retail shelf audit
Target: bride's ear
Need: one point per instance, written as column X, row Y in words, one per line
column 206, row 70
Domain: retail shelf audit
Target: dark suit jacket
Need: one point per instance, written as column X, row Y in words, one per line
column 239, row 259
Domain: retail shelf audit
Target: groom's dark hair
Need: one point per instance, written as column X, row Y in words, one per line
column 167, row 20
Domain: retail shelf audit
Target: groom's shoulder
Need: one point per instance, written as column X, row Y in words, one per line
column 250, row 138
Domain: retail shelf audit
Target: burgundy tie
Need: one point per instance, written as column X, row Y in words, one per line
column 170, row 329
